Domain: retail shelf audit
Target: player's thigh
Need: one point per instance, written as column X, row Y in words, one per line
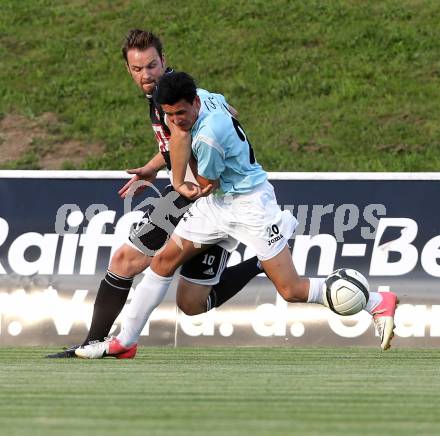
column 191, row 297
column 281, row 271
column 128, row 261
column 259, row 223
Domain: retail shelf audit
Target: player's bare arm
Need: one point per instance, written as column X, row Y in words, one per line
column 233, row 111
column 181, row 157
column 180, row 153
column 179, row 118
column 148, row 173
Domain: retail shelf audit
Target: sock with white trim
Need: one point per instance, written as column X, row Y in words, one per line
column 316, row 289
column 110, row 299
column 147, row 295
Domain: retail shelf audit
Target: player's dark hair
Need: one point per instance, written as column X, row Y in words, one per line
column 141, row 40
column 175, row 86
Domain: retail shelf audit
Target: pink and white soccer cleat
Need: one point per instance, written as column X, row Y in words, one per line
column 383, row 317
column 111, row 347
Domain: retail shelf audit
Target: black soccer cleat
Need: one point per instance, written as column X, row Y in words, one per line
column 67, row 353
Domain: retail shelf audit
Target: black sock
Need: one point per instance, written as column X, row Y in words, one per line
column 232, row 281
column 111, row 298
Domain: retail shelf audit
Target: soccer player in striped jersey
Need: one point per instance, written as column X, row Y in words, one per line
column 205, row 281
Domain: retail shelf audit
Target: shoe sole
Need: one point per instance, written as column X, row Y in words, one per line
column 386, row 345
column 117, row 356
column 126, row 355
column 87, row 357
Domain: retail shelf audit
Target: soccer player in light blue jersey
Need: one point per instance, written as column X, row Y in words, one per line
column 241, row 208
column 205, row 281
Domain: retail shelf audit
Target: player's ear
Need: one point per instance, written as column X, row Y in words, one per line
column 164, row 61
column 197, row 102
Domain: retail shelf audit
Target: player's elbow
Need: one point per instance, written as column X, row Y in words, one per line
column 233, row 111
column 204, row 182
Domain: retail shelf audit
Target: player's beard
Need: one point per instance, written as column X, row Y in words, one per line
column 149, row 88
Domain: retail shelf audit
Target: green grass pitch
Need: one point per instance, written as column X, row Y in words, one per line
column 341, row 85
column 222, row 391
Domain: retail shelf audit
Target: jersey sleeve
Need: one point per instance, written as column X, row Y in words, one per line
column 221, row 98
column 210, row 157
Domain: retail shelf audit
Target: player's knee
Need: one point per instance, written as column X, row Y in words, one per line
column 128, row 262
column 190, row 307
column 119, row 259
column 164, row 265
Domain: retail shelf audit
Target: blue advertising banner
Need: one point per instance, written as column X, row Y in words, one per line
column 59, row 229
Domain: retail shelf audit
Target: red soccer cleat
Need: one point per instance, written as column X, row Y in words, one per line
column 111, row 347
column 383, row 317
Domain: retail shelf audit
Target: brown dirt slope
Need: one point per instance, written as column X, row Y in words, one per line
column 39, row 137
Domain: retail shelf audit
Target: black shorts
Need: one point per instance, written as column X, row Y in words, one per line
column 207, row 267
column 155, row 228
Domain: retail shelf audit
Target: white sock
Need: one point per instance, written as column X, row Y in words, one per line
column 147, row 295
column 373, row 301
column 316, row 289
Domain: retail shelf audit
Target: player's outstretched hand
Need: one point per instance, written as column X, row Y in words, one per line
column 133, row 188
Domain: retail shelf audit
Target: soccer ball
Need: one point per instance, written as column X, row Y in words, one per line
column 346, row 291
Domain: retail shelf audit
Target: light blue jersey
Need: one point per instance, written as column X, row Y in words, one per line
column 221, row 148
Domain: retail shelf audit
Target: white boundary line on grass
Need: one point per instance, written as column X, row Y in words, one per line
column 44, row 174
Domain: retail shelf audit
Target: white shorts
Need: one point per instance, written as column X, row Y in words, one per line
column 254, row 219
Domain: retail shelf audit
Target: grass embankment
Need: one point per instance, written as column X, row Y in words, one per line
column 321, row 86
